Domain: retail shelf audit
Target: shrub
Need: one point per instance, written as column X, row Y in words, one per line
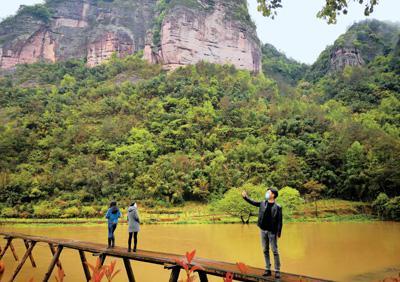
column 290, row 200
column 378, row 205
column 71, row 212
column 45, row 210
column 232, row 203
column 89, row 212
column 9, row 212
column 392, row 208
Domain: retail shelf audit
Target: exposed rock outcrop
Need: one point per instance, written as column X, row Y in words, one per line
column 345, row 56
column 88, row 29
column 189, row 36
column 190, row 31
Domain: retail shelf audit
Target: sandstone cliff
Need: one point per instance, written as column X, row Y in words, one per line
column 186, row 31
column 210, row 32
column 88, row 29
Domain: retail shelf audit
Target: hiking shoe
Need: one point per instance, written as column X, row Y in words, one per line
column 267, row 273
column 277, row 274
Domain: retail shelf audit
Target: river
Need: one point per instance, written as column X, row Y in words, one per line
column 343, row 251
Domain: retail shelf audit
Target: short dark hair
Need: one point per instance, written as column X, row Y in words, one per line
column 275, row 191
column 113, row 204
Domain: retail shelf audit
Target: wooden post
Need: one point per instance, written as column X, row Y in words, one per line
column 102, row 259
column 53, row 251
column 129, row 272
column 30, row 254
column 84, row 265
column 5, row 248
column 13, row 251
column 176, row 269
column 27, row 253
column 53, row 263
column 203, row 276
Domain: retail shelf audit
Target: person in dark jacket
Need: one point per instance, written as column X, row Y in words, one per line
column 112, row 215
column 270, row 224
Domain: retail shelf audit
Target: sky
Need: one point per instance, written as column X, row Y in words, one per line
column 296, row 31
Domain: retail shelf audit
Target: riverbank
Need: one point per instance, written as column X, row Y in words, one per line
column 194, row 213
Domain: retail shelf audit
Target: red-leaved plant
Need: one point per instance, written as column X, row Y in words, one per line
column 243, row 268
column 99, row 271
column 228, row 277
column 392, row 279
column 60, row 275
column 109, row 271
column 2, row 269
column 189, row 270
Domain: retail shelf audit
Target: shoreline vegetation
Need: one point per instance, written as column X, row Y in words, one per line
column 195, row 213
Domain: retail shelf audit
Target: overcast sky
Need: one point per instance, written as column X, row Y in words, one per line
column 295, row 31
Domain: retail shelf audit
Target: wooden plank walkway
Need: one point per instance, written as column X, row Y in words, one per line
column 211, row 267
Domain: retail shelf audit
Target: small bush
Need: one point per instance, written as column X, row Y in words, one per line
column 45, row 210
column 378, row 205
column 393, row 208
column 89, row 212
column 290, row 200
column 9, row 212
column 71, row 212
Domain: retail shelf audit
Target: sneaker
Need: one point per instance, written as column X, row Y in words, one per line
column 277, row 274
column 267, row 273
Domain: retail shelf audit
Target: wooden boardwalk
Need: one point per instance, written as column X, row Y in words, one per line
column 210, row 267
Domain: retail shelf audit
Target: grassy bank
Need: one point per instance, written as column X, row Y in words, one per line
column 194, row 213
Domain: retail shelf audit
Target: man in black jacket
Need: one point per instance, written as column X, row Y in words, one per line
column 270, row 223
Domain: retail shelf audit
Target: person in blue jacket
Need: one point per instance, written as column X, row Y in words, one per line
column 113, row 214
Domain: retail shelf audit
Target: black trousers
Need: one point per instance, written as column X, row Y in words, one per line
column 134, row 239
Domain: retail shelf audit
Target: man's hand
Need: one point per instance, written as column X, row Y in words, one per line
column 244, row 194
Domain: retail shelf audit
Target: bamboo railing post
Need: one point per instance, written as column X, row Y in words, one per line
column 5, row 248
column 84, row 265
column 53, row 251
column 53, row 263
column 30, row 254
column 24, row 258
column 129, row 272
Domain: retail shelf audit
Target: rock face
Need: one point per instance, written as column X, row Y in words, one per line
column 88, row 29
column 94, row 29
column 345, row 56
column 189, row 36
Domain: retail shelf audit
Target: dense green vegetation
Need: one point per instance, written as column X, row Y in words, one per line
column 73, row 137
column 281, row 68
column 38, row 11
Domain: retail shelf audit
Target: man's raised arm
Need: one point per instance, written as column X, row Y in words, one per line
column 250, row 201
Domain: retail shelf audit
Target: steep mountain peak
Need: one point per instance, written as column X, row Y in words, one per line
column 359, row 45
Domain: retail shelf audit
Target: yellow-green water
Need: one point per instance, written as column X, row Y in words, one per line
column 353, row 251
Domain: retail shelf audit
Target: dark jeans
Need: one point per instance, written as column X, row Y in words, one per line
column 111, row 229
column 270, row 239
column 134, row 240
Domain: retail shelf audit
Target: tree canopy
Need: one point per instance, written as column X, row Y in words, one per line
column 329, row 11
